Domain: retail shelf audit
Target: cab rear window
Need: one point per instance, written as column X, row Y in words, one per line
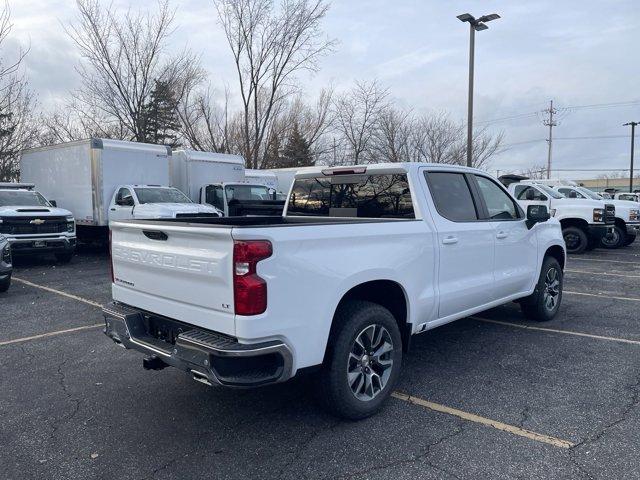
column 370, row 196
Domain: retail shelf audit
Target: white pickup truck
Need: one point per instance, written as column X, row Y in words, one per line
column 155, row 201
column 584, row 222
column 33, row 225
column 362, row 258
column 627, row 222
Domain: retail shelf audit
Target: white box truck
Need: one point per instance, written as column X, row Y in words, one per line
column 261, row 177
column 85, row 177
column 191, row 170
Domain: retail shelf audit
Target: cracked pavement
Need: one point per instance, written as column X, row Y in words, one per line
column 75, row 406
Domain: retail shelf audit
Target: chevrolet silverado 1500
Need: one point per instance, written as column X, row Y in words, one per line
column 362, row 258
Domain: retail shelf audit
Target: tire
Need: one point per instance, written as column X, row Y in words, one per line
column 64, row 257
column 575, row 239
column 5, row 284
column 346, row 359
column 537, row 306
column 629, row 240
column 615, row 239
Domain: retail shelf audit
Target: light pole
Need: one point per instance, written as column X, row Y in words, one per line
column 479, row 25
column 633, row 137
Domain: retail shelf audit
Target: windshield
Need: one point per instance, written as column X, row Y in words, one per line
column 549, row 191
column 247, row 192
column 161, row 195
column 19, row 198
column 588, row 193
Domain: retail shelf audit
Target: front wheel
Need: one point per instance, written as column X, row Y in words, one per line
column 363, row 360
column 575, row 239
column 629, row 240
column 543, row 304
column 64, row 257
column 5, row 283
column 614, row 239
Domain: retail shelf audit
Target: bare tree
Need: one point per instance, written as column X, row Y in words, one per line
column 393, row 136
column 270, row 45
column 536, row 172
column 357, row 114
column 17, row 130
column 123, row 57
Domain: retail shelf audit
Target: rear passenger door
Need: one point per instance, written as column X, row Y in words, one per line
column 516, row 249
column 465, row 242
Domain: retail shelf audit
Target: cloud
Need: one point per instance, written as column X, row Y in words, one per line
column 409, row 62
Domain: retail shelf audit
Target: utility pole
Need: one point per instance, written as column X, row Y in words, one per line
column 475, row 24
column 633, row 141
column 550, row 122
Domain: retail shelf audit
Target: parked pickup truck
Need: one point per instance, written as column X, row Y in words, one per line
column 33, row 225
column 627, row 221
column 6, row 267
column 362, row 258
column 584, row 222
column 155, row 201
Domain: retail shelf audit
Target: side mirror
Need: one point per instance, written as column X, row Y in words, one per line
column 573, row 194
column 537, row 214
column 53, row 203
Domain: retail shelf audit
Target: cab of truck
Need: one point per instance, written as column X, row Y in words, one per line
column 154, row 202
column 584, row 222
column 241, row 199
column 34, row 225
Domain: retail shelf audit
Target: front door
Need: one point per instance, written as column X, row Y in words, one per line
column 465, row 243
column 122, row 206
column 516, row 250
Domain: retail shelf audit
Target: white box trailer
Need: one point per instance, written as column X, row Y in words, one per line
column 82, row 176
column 285, row 176
column 190, row 170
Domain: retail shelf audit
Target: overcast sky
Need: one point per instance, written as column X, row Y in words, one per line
column 574, row 52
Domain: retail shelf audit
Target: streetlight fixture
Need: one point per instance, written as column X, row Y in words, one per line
column 475, row 24
column 633, row 135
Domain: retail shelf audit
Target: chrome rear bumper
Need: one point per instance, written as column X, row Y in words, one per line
column 210, row 357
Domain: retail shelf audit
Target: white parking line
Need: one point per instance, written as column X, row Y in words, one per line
column 608, row 274
column 471, row 417
column 50, row 334
column 602, row 295
column 555, row 330
column 59, row 292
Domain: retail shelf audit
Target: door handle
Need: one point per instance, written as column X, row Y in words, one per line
column 113, row 209
column 450, row 240
column 502, row 235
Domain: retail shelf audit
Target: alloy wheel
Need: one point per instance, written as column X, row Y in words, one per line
column 370, row 362
column 551, row 289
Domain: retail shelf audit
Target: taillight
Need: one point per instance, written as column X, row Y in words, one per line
column 111, row 260
column 249, row 290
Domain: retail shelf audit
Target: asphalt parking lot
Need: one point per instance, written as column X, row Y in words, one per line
column 492, row 396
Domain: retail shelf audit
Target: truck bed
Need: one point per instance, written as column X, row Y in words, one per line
column 262, row 221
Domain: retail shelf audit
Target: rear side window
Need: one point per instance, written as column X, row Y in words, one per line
column 452, row 196
column 371, row 196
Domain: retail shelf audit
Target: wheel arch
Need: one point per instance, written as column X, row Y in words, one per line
column 386, row 293
column 557, row 252
column 575, row 222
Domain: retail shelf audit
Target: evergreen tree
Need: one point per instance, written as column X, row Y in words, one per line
column 297, row 152
column 160, row 120
column 272, row 154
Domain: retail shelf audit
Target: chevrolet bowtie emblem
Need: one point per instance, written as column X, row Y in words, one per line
column 37, row 221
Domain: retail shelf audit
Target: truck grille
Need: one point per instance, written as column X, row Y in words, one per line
column 609, row 214
column 33, row 225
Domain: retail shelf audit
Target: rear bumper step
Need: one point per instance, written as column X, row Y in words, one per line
column 210, row 357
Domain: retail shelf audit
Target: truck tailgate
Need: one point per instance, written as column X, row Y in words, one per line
column 180, row 271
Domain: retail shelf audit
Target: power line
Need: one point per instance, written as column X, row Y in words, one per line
column 595, row 137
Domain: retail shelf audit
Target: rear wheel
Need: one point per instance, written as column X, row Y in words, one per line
column 575, row 239
column 5, row 283
column 363, row 360
column 543, row 304
column 614, row 238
